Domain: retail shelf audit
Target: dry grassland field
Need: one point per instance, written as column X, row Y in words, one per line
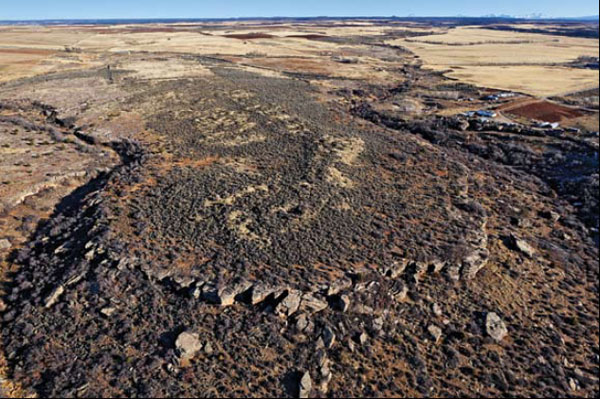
column 528, row 62
column 299, row 208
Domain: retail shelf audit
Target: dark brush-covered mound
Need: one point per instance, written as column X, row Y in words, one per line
column 286, row 195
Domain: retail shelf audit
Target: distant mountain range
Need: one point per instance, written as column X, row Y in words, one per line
column 542, row 16
column 534, row 16
column 590, row 18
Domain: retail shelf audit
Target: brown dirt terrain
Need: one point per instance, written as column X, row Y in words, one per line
column 310, row 36
column 544, row 111
column 319, row 220
column 246, row 36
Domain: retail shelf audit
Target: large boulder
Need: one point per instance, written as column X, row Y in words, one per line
column 522, row 246
column 495, row 327
column 188, row 344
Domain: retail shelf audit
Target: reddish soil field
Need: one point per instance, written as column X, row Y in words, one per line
column 245, row 36
column 545, row 111
column 296, row 64
column 309, row 37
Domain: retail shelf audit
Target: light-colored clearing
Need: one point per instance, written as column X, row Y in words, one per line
column 229, row 200
column 243, row 140
column 170, row 68
column 346, row 150
column 336, row 177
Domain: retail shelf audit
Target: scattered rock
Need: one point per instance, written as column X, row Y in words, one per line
column 107, row 311
column 351, row 346
column 495, row 327
column 437, row 310
column 324, row 373
column 302, row 322
column 437, row 265
column 184, row 281
column 399, row 290
column 435, row 332
column 522, row 246
column 362, row 338
column 311, row 304
column 339, row 285
column 361, row 308
column 420, row 268
column 368, row 286
column 378, row 324
column 225, row 296
column 554, row 216
column 54, row 295
column 453, row 272
column 89, row 255
column 474, row 262
column 5, row 244
column 196, row 292
column 188, row 344
column 289, row 304
column 260, row 292
column 305, row 385
column 573, row 384
column 328, row 337
column 343, row 304
column 396, row 268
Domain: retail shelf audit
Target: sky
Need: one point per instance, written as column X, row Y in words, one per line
column 108, row 9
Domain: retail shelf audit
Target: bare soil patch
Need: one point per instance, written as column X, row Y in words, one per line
column 545, row 111
column 310, row 36
column 28, row 51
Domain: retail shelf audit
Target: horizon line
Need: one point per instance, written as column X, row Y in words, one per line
column 507, row 17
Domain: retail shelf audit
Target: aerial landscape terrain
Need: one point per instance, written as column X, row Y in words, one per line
column 318, row 207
